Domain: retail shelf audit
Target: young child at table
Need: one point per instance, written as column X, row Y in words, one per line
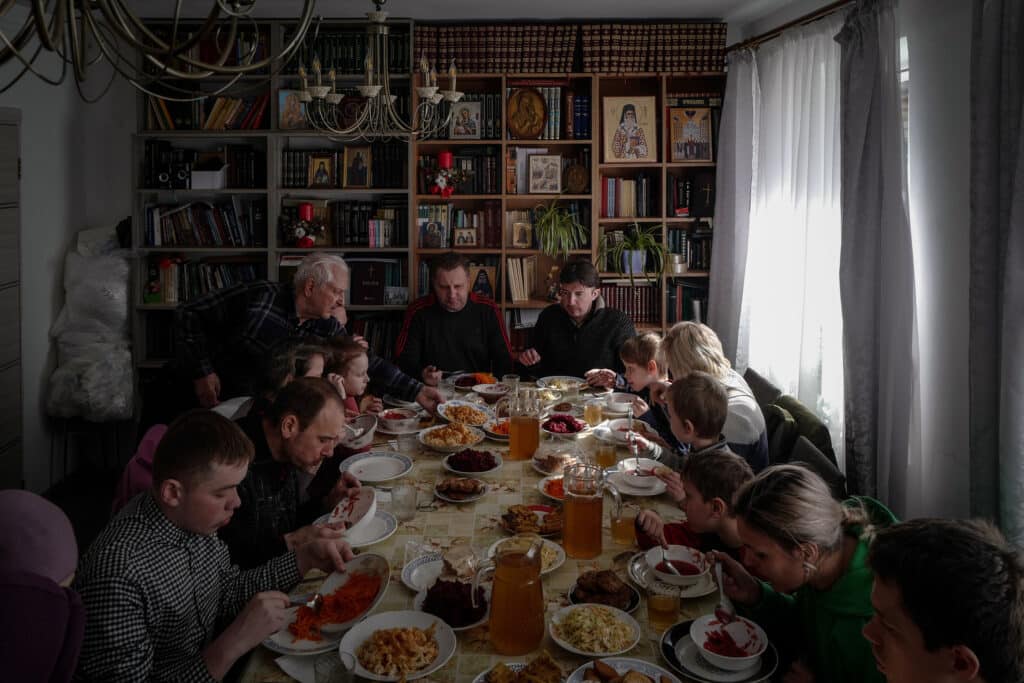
column 639, row 356
column 949, row 603
column 810, row 554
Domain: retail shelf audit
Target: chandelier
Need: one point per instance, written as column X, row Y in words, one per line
column 161, row 63
column 377, row 118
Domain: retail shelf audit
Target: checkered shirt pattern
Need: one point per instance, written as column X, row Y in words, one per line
column 155, row 595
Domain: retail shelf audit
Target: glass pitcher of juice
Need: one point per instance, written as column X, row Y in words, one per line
column 523, row 424
column 517, row 600
column 583, row 507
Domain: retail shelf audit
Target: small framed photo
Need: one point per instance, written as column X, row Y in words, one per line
column 545, row 174
column 630, row 129
column 522, row 235
column 465, row 237
column 484, row 280
column 321, row 171
column 291, row 112
column 690, row 134
column 358, row 167
column 465, row 121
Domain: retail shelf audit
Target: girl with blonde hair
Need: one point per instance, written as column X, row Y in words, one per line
column 691, row 346
column 810, row 553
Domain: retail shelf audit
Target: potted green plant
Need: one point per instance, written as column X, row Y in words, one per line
column 629, row 255
column 557, row 229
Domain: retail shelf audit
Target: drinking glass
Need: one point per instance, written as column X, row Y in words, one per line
column 408, row 444
column 592, row 412
column 662, row 607
column 512, row 382
column 622, row 522
column 447, row 388
column 606, row 456
column 403, row 502
column 334, row 667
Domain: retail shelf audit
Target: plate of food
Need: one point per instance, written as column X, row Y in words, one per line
column 618, row 430
column 543, row 669
column 460, row 489
column 532, row 519
column 398, row 421
column 594, row 630
column 564, row 426
column 392, row 645
column 469, row 461
column 643, row 576
column 561, row 382
column 682, row 654
column 421, row 572
column 552, row 463
column 381, row 526
column 347, row 597
column 465, row 412
column 604, row 587
column 450, row 600
column 552, row 555
column 377, row 466
column 450, row 438
column 552, row 487
column 497, row 429
column 624, row 669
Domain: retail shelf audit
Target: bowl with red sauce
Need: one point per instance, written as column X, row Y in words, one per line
column 690, row 563
column 734, row 647
column 399, row 420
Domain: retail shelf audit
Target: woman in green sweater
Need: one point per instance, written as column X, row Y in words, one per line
column 810, row 552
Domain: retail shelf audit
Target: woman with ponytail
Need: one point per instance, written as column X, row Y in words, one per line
column 812, row 591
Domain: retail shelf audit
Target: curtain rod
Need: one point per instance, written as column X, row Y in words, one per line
column 805, row 19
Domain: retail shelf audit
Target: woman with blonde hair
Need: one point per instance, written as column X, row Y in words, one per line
column 810, row 553
column 691, row 346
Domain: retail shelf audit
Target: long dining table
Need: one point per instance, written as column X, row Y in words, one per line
column 439, row 525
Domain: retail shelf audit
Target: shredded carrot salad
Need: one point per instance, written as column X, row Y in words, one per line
column 484, row 378
column 344, row 604
column 555, row 487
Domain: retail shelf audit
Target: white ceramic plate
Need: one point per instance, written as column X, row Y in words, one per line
column 559, row 554
column 421, row 596
column 623, row 483
column 382, row 526
column 361, row 632
column 634, row 599
column 512, row 666
column 377, row 466
column 564, row 435
column 680, row 652
column 421, row 572
column 558, row 382
column 611, row 429
column 468, row 499
column 284, row 642
column 442, row 410
column 449, row 449
column 489, row 426
column 497, row 466
column 561, row 614
column 642, row 575
column 621, row 666
column 545, row 480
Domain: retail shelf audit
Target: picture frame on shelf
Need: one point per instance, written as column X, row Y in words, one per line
column 630, row 129
column 545, row 174
column 484, row 280
column 522, row 235
column 465, row 237
column 527, row 114
column 291, row 111
column 358, row 167
column 431, row 235
column 465, row 123
column 321, row 171
column 690, row 134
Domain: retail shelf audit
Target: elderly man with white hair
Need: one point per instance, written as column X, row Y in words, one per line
column 224, row 337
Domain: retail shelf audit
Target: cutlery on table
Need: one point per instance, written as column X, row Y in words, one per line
column 724, row 610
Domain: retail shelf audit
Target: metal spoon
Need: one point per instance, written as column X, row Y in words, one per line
column 724, row 610
column 665, row 561
column 310, row 600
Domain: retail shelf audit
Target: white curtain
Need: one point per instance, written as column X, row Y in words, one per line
column 791, row 326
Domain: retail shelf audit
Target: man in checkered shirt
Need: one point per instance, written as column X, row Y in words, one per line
column 163, row 601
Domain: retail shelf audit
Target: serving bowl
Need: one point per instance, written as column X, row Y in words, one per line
column 744, row 633
column 491, row 392
column 691, row 564
column 399, row 419
column 359, row 432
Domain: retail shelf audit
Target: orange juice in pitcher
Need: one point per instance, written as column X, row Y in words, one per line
column 583, row 506
column 516, row 623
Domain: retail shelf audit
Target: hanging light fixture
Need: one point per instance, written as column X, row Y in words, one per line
column 378, row 119
column 160, row 63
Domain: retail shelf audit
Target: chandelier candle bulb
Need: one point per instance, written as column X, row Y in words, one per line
column 451, row 75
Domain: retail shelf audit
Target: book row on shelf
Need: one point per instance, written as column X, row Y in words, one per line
column 571, row 126
column 249, row 46
column 694, row 246
column 627, row 197
column 172, row 280
column 219, row 113
column 639, row 299
column 526, row 48
column 239, row 222
column 479, row 164
column 378, row 223
column 444, row 226
column 691, row 195
column 345, row 49
column 377, row 282
column 476, row 116
column 521, row 273
column 377, row 165
column 686, row 300
column 237, row 166
column 660, row 47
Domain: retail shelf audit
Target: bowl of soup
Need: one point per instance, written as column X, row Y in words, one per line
column 690, row 564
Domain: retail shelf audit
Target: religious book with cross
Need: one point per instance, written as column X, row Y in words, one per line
column 702, row 199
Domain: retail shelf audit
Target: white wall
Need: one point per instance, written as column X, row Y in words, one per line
column 939, row 40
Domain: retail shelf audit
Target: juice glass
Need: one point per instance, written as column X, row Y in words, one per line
column 623, row 521
column 524, row 425
column 662, row 607
column 605, row 456
column 584, row 499
column 593, row 413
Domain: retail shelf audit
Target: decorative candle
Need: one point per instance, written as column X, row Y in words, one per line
column 444, row 159
column 306, row 212
column 302, row 76
column 432, row 81
column 424, row 69
column 368, row 64
column 334, row 80
column 451, row 75
column 316, row 69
